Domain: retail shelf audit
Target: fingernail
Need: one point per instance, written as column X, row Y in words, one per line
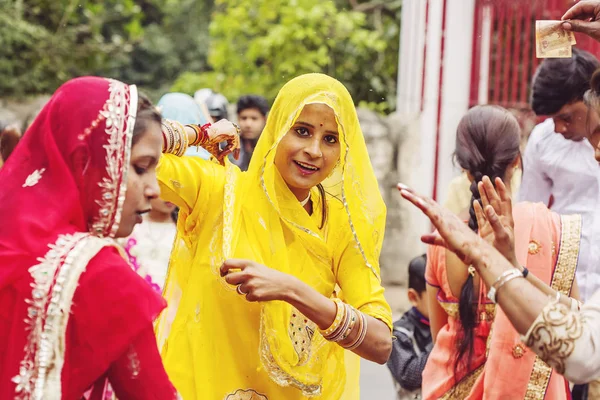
column 402, row 186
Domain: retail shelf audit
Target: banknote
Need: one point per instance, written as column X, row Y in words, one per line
column 552, row 41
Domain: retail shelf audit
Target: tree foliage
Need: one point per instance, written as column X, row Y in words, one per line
column 232, row 46
column 45, row 42
column 258, row 45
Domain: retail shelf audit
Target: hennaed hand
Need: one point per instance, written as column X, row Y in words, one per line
column 452, row 233
column 494, row 217
column 223, row 131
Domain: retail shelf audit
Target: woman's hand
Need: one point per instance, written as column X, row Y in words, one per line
column 256, row 281
column 584, row 17
column 453, row 233
column 495, row 219
column 223, row 131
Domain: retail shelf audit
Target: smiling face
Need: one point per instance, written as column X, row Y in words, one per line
column 309, row 151
column 142, row 186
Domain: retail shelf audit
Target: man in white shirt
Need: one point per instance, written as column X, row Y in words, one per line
column 559, row 162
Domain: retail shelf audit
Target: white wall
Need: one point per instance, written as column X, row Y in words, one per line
column 455, row 84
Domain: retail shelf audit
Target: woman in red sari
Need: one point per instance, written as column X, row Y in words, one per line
column 73, row 314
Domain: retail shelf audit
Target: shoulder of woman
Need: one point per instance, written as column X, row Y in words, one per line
column 109, row 275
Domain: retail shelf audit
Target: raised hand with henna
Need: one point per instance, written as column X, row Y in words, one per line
column 219, row 132
column 494, row 217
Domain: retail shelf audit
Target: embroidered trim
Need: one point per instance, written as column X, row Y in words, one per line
column 278, row 375
column 451, row 309
column 463, row 388
column 43, row 275
column 34, row 177
column 228, row 205
column 119, row 113
column 249, row 394
column 554, row 333
column 301, row 332
column 55, row 281
column 555, row 351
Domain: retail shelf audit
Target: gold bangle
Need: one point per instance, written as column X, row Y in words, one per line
column 178, row 140
column 183, row 138
column 196, row 129
column 168, row 136
column 353, row 319
column 362, row 332
column 338, row 334
column 339, row 316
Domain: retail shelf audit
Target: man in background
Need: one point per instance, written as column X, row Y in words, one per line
column 252, row 113
column 559, row 166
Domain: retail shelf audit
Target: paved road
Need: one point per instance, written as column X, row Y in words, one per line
column 375, row 382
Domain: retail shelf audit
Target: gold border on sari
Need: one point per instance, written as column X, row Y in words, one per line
column 463, row 388
column 562, row 281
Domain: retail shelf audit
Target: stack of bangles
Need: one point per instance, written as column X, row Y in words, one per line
column 514, row 273
column 175, row 138
column 347, row 318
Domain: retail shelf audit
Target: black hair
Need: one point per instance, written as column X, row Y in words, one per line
column 561, row 81
column 146, row 113
column 253, row 101
column 416, row 273
column 487, row 143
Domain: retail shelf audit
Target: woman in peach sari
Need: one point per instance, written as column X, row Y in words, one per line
column 477, row 353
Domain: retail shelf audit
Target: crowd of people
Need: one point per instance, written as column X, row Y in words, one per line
column 164, row 252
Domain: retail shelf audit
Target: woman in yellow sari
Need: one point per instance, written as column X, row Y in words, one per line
column 309, row 215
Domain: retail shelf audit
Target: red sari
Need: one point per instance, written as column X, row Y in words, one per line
column 72, row 312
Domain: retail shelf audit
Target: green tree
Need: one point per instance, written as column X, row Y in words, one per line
column 150, row 42
column 258, row 45
column 45, row 42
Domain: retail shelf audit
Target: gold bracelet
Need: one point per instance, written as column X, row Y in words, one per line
column 338, row 334
column 339, row 316
column 196, row 129
column 353, row 319
column 168, row 136
column 362, row 333
column 183, row 138
column 175, row 136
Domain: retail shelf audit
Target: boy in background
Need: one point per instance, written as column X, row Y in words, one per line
column 412, row 337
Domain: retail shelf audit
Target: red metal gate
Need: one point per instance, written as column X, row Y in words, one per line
column 511, row 55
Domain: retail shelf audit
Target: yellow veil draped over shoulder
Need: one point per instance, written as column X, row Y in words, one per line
column 259, row 205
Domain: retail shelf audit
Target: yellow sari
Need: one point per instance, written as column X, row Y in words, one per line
column 215, row 344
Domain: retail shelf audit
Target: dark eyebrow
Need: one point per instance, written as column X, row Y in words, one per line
column 311, row 126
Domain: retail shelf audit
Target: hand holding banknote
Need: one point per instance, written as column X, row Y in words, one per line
column 552, row 40
column 584, row 17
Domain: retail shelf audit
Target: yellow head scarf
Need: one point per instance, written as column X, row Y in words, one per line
column 296, row 244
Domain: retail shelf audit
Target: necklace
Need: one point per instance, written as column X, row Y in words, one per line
column 305, row 201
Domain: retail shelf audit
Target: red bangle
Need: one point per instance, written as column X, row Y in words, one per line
column 204, row 129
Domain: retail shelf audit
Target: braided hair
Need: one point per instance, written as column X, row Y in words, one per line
column 487, row 143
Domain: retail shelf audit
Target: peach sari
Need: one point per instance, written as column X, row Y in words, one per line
column 502, row 367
